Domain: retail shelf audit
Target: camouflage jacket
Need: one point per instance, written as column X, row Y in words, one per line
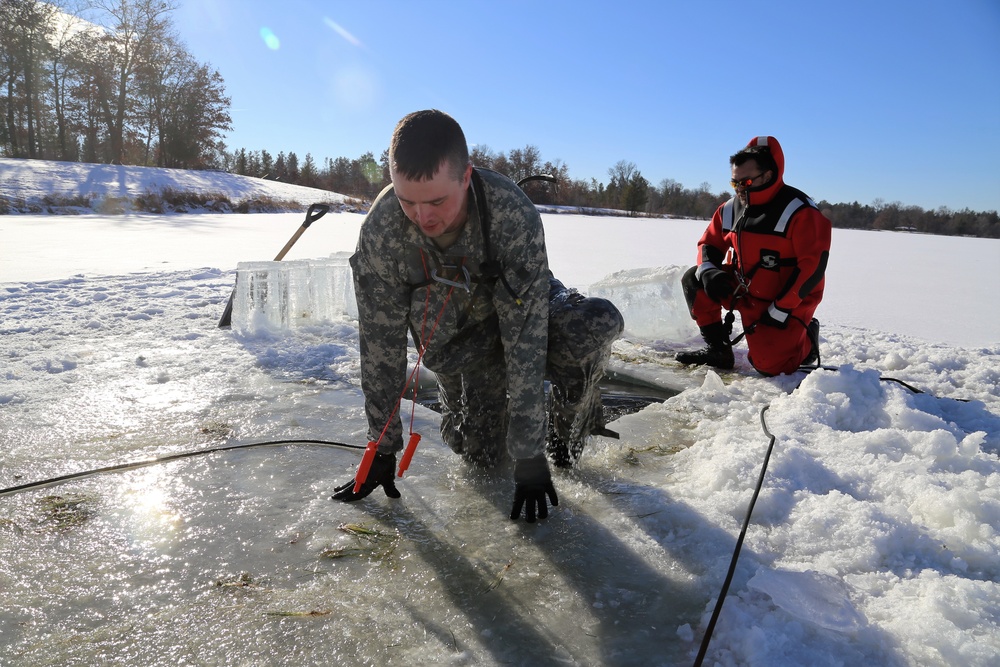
column 394, row 279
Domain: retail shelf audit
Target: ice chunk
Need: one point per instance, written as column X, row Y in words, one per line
column 261, row 293
column 651, row 301
column 333, row 287
column 283, row 295
column 810, row 596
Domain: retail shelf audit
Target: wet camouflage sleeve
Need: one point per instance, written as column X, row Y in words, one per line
column 519, row 243
column 391, row 269
column 383, row 309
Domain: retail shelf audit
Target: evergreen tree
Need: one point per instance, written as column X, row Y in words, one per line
column 308, row 175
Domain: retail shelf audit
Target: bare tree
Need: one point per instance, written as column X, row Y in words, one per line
column 628, row 189
column 24, row 35
column 482, row 156
column 187, row 108
column 9, row 77
column 133, row 30
column 66, row 71
column 523, row 162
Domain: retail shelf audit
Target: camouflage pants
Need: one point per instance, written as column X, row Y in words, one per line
column 473, row 402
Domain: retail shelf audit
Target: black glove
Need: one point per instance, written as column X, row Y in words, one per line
column 717, row 284
column 532, row 482
column 768, row 320
column 380, row 474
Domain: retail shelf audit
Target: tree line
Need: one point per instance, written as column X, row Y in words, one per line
column 364, row 177
column 109, row 81
column 106, row 81
column 627, row 190
column 899, row 217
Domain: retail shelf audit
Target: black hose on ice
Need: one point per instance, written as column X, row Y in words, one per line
column 753, row 500
column 810, row 369
column 739, row 545
column 164, row 459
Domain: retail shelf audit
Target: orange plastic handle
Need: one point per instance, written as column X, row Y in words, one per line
column 411, row 447
column 365, row 466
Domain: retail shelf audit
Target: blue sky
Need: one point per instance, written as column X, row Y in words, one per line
column 896, row 99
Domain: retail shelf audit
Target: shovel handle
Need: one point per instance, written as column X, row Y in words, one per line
column 313, row 213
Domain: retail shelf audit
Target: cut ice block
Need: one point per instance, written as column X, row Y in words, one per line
column 651, row 301
column 288, row 294
column 261, row 295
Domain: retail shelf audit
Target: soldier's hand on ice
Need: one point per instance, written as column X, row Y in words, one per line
column 532, row 484
column 768, row 320
column 718, row 284
column 380, row 474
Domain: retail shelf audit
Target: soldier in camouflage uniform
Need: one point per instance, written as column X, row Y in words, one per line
column 475, row 295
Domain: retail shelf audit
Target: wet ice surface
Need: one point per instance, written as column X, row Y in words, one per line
column 873, row 540
column 241, row 556
column 219, row 561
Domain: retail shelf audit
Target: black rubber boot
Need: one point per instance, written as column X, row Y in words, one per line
column 812, row 359
column 718, row 353
column 571, row 423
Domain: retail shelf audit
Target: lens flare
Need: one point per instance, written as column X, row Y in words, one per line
column 270, row 39
column 340, row 30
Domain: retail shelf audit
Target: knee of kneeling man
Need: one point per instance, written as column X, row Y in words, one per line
column 775, row 366
column 602, row 312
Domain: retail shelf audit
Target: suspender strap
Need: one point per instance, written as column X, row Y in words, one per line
column 491, row 268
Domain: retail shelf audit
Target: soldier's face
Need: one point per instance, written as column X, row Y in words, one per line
column 437, row 205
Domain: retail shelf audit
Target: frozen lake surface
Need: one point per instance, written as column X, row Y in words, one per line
column 873, row 541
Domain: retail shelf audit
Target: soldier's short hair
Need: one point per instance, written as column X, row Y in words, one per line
column 422, row 140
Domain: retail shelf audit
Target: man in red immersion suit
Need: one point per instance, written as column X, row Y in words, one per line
column 764, row 255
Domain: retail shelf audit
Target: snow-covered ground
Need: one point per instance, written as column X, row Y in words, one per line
column 874, row 540
column 31, row 182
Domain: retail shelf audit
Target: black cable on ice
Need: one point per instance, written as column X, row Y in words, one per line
column 164, row 459
column 739, row 545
